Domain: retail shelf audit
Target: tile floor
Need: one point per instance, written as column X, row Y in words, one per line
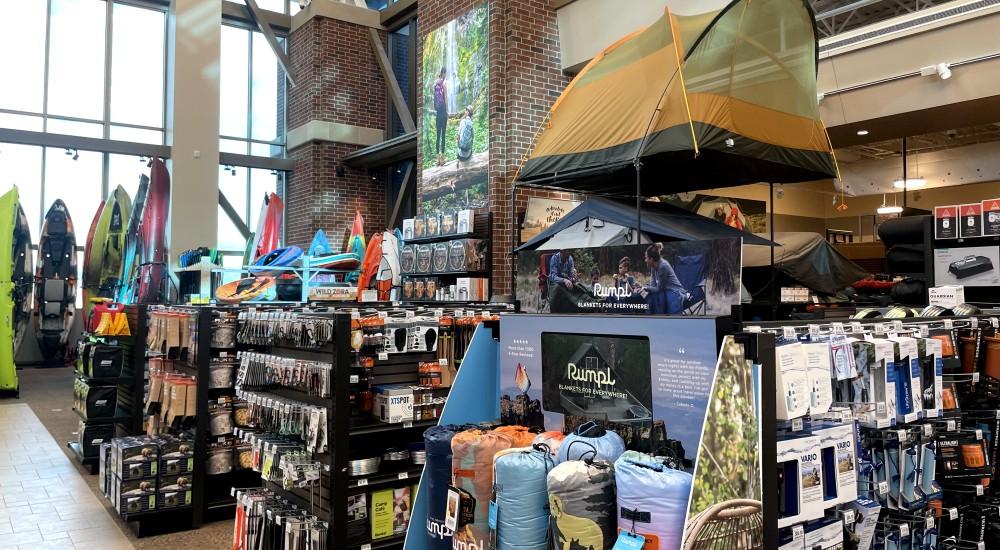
column 44, row 501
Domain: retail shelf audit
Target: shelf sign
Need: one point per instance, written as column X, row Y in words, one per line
column 946, row 222
column 404, row 475
column 362, row 482
column 991, row 217
column 970, row 221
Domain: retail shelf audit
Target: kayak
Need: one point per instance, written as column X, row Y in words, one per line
column 153, row 238
column 244, row 289
column 107, row 250
column 268, row 234
column 282, row 257
column 320, row 245
column 130, row 264
column 87, row 245
column 15, row 241
column 344, row 260
column 55, row 282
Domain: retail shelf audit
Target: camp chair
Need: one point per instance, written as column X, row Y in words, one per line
column 690, row 271
column 543, row 275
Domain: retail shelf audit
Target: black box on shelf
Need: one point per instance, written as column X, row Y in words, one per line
column 95, row 402
column 105, row 361
column 174, row 492
column 176, row 455
column 104, row 470
column 134, row 495
column 135, row 457
column 91, row 437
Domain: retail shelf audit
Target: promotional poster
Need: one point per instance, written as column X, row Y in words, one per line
column 672, row 278
column 541, row 213
column 969, row 266
column 744, row 214
column 455, row 122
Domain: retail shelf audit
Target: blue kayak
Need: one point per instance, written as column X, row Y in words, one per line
column 282, row 257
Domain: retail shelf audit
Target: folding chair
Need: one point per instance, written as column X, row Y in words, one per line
column 690, row 271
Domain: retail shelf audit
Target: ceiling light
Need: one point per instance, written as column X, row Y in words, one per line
column 910, row 183
column 862, row 132
column 943, row 71
column 886, row 209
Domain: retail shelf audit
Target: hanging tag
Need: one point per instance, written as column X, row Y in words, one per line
column 493, row 515
column 629, row 541
column 788, row 333
column 980, row 545
column 452, row 510
column 848, row 517
column 979, row 490
column 952, row 513
column 838, row 328
column 995, row 322
column 928, row 430
column 383, row 356
column 880, row 408
column 951, row 425
column 949, row 324
column 797, row 424
column 856, row 327
column 897, row 325
column 366, row 547
column 883, row 487
column 974, row 322
column 797, row 532
column 880, row 328
column 439, row 313
column 902, row 435
column 904, row 530
column 813, row 330
column 404, row 475
column 408, row 314
column 925, row 331
column 929, row 523
column 407, row 424
column 355, row 378
column 753, row 330
column 975, row 377
column 362, row 482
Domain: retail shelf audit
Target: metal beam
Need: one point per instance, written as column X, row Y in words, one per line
column 844, row 9
column 398, row 11
column 395, row 92
column 397, row 149
column 265, row 27
column 234, row 216
column 237, row 13
column 404, row 190
column 44, row 139
column 266, row 163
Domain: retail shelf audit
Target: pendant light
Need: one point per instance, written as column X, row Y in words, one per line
column 904, row 182
column 885, row 209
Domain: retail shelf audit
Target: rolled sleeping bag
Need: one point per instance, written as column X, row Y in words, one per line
column 590, row 437
column 519, row 434
column 582, row 504
column 472, row 471
column 551, row 439
column 652, row 500
column 437, row 471
column 521, row 493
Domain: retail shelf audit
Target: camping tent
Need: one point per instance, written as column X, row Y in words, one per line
column 805, row 257
column 609, row 222
column 722, row 98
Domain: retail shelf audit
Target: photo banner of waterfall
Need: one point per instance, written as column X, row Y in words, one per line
column 698, row 278
column 455, row 123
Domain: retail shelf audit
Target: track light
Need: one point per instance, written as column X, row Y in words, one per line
column 941, row 70
column 230, row 168
column 73, row 152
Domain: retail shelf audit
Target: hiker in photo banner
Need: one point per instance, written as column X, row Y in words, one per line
column 665, row 293
column 441, row 114
column 624, row 279
column 565, row 291
column 466, row 135
column 734, row 219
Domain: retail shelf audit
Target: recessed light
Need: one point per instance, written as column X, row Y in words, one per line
column 862, row 132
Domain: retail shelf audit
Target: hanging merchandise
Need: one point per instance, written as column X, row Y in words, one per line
column 590, row 439
column 582, row 504
column 55, row 282
column 265, row 521
column 520, row 513
column 130, row 262
column 472, row 471
column 652, row 501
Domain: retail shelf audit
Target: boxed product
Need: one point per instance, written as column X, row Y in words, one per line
column 422, row 253
column 839, row 462
column 432, row 224
column 423, row 335
column 818, row 370
column 396, row 332
column 962, row 456
column 909, row 403
column 174, row 492
column 431, row 288
column 466, row 221
column 865, row 519
column 419, row 231
column 401, row 506
column 824, row 534
column 382, row 514
column 90, row 438
column 407, row 258
column 473, row 289
column 408, row 229
column 842, row 358
column 358, row 527
column 468, row 255
column 800, row 480
column 791, row 538
column 102, row 361
column 792, row 382
column 439, row 258
column 176, row 455
column 134, row 457
column 946, row 296
column 134, row 495
column 95, row 402
column 103, row 469
column 393, row 403
column 449, row 222
column 931, row 373
column 873, row 394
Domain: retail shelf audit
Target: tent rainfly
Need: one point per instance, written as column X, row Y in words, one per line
column 718, row 99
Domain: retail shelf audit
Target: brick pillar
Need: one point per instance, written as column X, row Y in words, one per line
column 339, row 82
column 525, row 79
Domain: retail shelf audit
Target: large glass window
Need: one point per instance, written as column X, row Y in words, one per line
column 23, row 44
column 76, row 58
column 137, row 45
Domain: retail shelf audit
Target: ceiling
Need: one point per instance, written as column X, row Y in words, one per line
column 839, row 16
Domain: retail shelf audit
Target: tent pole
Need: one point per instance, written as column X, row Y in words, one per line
column 771, row 226
column 638, row 201
column 513, row 243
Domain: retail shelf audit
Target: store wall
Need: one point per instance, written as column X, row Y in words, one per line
column 337, row 107
column 525, row 79
column 797, row 210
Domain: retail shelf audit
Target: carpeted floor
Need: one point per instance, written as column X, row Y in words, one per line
column 49, row 393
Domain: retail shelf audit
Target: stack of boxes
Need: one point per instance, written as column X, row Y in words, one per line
column 142, row 474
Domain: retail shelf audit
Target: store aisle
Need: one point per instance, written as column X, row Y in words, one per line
column 44, row 501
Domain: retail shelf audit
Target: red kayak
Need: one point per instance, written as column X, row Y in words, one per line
column 153, row 237
column 268, row 235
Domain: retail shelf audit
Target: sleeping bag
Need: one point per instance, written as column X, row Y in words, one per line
column 519, row 434
column 521, row 495
column 652, row 500
column 552, row 439
column 582, row 505
column 591, row 441
column 472, row 471
column 437, row 470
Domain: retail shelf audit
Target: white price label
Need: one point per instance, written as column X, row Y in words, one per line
column 904, row 530
column 979, row 490
column 880, row 328
column 928, row 430
column 408, row 424
column 975, row 377
column 383, row 356
column 949, row 324
column 980, row 545
column 788, row 333
column 995, row 322
column 897, row 325
column 366, row 547
column 404, row 475
column 902, row 435
column 797, row 424
column 443, row 362
column 439, row 313
column 409, row 314
column 222, row 439
column 813, row 330
column 855, row 327
column 925, row 331
column 838, row 328
column 929, row 523
column 952, row 513
column 232, row 491
column 883, row 487
column 979, row 434
column 880, row 408
column 974, row 322
column 753, row 330
column 222, row 400
column 355, row 314
column 383, row 314
column 355, row 379
column 362, row 482
column 848, row 516
column 951, row 425
column 797, row 532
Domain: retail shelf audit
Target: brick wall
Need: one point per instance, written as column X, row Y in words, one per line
column 338, row 80
column 525, row 79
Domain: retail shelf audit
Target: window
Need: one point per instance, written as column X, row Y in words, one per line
column 76, row 58
column 245, row 189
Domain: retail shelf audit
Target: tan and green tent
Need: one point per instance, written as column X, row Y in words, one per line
column 722, row 98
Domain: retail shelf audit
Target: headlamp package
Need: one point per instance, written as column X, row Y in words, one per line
column 909, row 403
column 800, row 480
column 793, row 382
column 840, row 479
column 818, row 370
column 931, row 373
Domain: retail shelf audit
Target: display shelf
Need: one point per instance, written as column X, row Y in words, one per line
column 91, row 463
column 118, row 381
column 384, row 479
column 121, row 415
column 364, row 425
column 161, row 522
column 479, row 273
column 441, row 238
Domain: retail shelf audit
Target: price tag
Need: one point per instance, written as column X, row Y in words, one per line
column 404, row 475
column 383, row 356
column 383, row 314
column 979, row 434
column 880, row 408
column 928, row 430
column 902, row 435
column 753, row 330
column 444, row 363
column 788, row 333
column 897, row 325
column 880, row 328
column 408, row 424
column 949, row 324
column 856, row 327
column 232, row 491
column 355, row 314
column 925, row 331
column 975, row 377
column 838, row 328
column 797, row 532
column 848, row 516
column 362, row 482
column 355, row 379
column 998, row 414
column 797, row 424
column 459, row 313
column 815, row 299
column 222, row 400
column 929, row 523
column 366, row 547
column 904, row 530
column 952, row 513
column 979, row 490
column 222, row 439
column 408, row 314
column 980, row 545
column 813, row 330
column 974, row 322
column 439, row 312
column 994, row 322
column 395, row 304
column 883, row 487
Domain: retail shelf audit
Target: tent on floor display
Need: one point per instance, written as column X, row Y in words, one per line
column 698, row 101
column 803, row 258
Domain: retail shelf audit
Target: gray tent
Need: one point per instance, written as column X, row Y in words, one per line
column 609, row 222
column 808, row 259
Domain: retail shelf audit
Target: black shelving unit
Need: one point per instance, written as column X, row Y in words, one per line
column 483, row 224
